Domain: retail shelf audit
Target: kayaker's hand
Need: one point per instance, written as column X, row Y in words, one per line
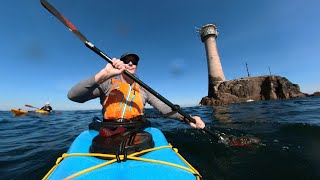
column 111, row 70
column 116, row 68
column 199, row 123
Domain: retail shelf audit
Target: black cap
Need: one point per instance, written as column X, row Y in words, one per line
column 128, row 55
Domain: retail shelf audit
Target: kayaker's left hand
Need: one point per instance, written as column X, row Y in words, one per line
column 199, row 123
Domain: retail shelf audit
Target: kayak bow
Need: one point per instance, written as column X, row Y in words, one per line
column 161, row 162
column 18, row 112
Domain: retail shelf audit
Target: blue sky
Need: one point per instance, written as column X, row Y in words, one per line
column 41, row 60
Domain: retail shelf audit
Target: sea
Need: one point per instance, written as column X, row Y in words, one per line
column 289, row 131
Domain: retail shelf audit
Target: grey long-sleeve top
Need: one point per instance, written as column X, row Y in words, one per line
column 88, row 89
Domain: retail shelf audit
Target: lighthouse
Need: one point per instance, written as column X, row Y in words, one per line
column 208, row 34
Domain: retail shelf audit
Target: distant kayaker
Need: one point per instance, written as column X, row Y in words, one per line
column 47, row 107
column 121, row 97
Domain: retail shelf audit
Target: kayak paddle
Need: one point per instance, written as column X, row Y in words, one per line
column 27, row 105
column 187, row 118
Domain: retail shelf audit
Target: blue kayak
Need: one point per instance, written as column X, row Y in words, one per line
column 161, row 162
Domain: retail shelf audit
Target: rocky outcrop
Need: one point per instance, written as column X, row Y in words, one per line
column 251, row 89
column 314, row 94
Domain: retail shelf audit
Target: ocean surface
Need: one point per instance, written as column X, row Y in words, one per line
column 289, row 131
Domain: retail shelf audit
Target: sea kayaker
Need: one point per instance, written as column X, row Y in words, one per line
column 47, row 107
column 121, row 97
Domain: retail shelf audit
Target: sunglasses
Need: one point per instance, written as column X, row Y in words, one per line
column 127, row 61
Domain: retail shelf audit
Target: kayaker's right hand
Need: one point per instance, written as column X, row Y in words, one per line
column 111, row 70
column 199, row 123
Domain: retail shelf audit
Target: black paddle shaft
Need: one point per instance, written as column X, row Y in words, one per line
column 73, row 29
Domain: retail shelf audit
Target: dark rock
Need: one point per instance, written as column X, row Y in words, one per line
column 251, row 89
column 307, row 95
column 315, row 94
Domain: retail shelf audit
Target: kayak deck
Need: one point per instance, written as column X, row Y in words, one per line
column 169, row 165
column 19, row 112
column 41, row 111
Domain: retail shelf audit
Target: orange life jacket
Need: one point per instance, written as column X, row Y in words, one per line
column 124, row 101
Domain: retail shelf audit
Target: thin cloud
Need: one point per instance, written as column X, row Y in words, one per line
column 177, row 67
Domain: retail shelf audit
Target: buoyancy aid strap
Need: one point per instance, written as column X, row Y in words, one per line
column 115, row 85
column 136, row 87
column 125, row 105
column 132, row 99
column 114, row 82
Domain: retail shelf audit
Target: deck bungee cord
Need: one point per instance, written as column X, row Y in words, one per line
column 133, row 156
